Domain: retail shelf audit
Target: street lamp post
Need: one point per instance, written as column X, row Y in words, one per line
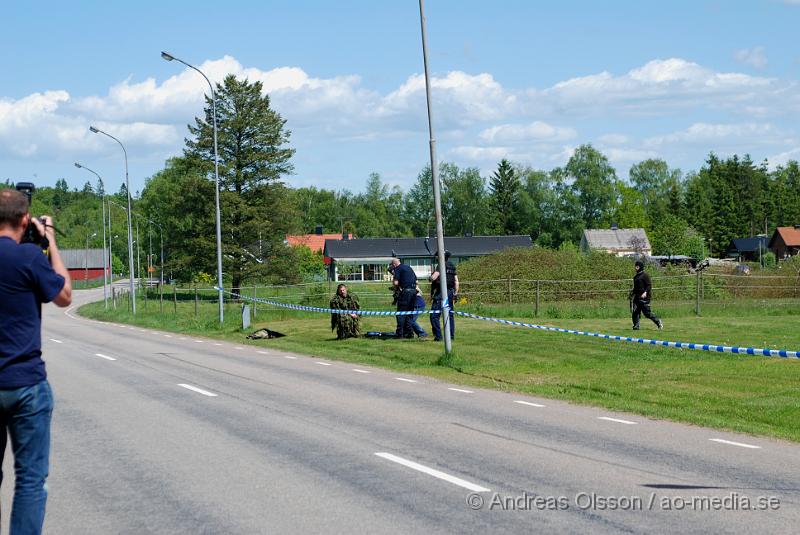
column 437, row 203
column 105, row 256
column 130, row 225
column 86, row 261
column 170, row 57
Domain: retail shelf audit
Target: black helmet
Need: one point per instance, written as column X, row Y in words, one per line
column 447, row 255
column 639, row 264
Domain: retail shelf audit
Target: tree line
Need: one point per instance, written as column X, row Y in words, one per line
column 694, row 213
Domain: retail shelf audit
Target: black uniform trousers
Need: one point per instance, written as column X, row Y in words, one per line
column 642, row 306
column 406, row 301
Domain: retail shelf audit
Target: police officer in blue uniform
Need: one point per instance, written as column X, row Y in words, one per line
column 406, row 281
column 452, row 291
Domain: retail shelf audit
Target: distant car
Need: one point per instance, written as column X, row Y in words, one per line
column 742, row 269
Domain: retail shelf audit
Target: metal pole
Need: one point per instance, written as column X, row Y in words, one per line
column 130, row 223
column 110, row 251
column 170, row 57
column 86, row 264
column 106, row 282
column 437, row 203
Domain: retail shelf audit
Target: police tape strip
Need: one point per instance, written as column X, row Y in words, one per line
column 305, row 308
column 662, row 343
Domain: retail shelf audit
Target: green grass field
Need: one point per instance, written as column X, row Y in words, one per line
column 758, row 395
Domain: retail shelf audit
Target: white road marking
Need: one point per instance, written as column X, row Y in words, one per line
column 238, row 348
column 740, row 444
column 182, row 338
column 528, row 403
column 360, row 371
column 167, row 336
column 461, row 390
column 56, row 341
column 217, row 344
column 433, row 472
column 262, row 352
column 198, row 342
column 627, row 422
column 324, row 363
column 198, row 390
column 104, row 356
column 289, row 357
column 405, row 380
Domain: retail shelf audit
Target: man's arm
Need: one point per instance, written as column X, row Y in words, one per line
column 456, row 287
column 64, row 297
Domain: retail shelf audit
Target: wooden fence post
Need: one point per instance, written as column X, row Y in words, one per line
column 697, row 293
column 509, row 290
column 255, row 296
column 195, row 301
column 175, row 299
column 536, row 313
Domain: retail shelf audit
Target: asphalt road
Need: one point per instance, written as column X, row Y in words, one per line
column 160, row 433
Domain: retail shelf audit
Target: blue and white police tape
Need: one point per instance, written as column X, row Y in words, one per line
column 785, row 353
column 305, row 308
column 663, row 343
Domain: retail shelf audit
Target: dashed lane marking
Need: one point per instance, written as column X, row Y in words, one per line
column 433, row 472
column 461, row 390
column 528, row 403
column 56, row 341
column 405, row 380
column 732, row 443
column 606, row 418
column 198, row 390
column 104, row 356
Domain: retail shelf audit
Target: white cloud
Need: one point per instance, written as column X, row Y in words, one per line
column 475, row 153
column 711, row 135
column 535, row 131
column 755, row 57
column 477, row 118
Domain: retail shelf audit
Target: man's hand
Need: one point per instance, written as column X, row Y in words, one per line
column 45, row 229
column 644, row 295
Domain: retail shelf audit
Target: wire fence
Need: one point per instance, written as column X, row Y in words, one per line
column 527, row 297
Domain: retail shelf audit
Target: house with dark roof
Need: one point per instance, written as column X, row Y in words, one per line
column 747, row 249
column 785, row 242
column 367, row 259
column 617, row 241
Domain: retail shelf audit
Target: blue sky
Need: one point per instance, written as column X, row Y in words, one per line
column 527, row 80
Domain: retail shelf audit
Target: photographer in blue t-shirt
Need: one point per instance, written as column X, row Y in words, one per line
column 27, row 279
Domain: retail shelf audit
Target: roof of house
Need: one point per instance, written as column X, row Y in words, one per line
column 315, row 242
column 82, row 258
column 789, row 235
column 747, row 245
column 617, row 239
column 416, row 247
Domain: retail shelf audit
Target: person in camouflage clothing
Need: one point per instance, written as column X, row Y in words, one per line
column 345, row 325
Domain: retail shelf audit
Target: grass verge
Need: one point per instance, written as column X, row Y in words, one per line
column 749, row 394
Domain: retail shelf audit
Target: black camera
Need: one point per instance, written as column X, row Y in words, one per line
column 32, row 234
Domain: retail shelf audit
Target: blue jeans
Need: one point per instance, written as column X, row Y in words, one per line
column 418, row 330
column 25, row 414
column 435, row 317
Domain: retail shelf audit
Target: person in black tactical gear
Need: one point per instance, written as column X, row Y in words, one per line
column 436, row 304
column 640, row 297
column 406, row 280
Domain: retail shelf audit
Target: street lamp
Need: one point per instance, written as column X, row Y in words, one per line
column 437, row 203
column 130, row 225
column 106, row 258
column 170, row 57
column 86, row 261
